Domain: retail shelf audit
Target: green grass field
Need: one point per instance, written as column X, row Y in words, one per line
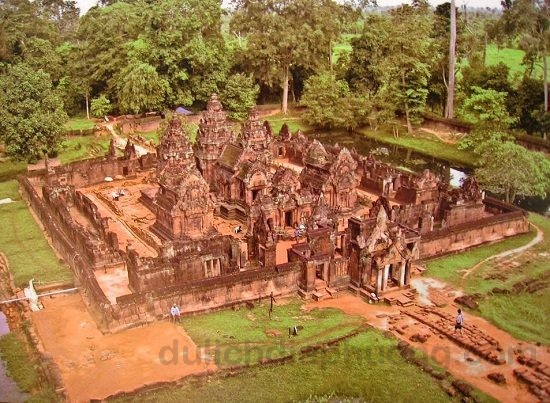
column 292, row 119
column 513, row 58
column 366, row 367
column 76, row 148
column 10, row 169
column 79, row 123
column 525, row 315
column 248, row 335
column 152, row 135
column 23, row 243
column 23, row 369
column 423, row 143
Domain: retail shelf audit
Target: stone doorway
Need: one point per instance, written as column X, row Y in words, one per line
column 288, row 219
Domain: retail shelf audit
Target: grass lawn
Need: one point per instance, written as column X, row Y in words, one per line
column 424, row 143
column 79, row 123
column 76, row 148
column 22, row 241
column 23, row 369
column 292, row 119
column 19, row 367
column 241, row 336
column 10, row 169
column 510, row 57
column 367, row 366
column 525, row 315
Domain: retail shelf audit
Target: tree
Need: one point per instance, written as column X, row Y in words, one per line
column 493, row 77
column 370, row 50
column 140, row 89
column 486, row 110
column 449, row 110
column 32, row 116
column 239, row 95
column 330, row 104
column 526, row 103
column 101, row 106
column 284, row 34
column 410, row 57
column 510, row 169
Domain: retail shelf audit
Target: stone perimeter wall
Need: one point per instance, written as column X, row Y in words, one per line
column 85, row 279
column 208, row 294
column 510, row 221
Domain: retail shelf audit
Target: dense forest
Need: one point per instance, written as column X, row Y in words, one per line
column 349, row 63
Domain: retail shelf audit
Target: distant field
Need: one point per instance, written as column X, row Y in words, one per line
column 510, row 57
column 79, row 123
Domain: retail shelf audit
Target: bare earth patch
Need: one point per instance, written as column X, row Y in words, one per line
column 459, row 361
column 95, row 366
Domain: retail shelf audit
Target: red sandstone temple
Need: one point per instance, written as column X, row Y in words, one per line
column 236, row 217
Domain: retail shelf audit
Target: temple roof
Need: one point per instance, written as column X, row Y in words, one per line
column 230, row 156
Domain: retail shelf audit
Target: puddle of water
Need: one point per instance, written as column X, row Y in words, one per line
column 8, row 389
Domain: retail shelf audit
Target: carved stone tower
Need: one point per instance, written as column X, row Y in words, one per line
column 214, row 133
column 184, row 206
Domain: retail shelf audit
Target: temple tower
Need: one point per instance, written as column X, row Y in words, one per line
column 214, row 133
column 184, row 206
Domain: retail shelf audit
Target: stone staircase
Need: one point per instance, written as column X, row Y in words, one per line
column 322, row 291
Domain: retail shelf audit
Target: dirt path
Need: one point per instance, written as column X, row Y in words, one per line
column 458, row 360
column 537, row 239
column 95, row 366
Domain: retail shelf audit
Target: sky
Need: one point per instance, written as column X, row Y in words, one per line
column 84, row 5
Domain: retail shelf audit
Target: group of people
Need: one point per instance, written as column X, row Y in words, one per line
column 293, row 331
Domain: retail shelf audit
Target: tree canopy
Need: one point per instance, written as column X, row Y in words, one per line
column 32, row 115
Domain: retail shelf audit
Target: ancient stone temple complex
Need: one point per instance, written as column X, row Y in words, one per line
column 238, row 216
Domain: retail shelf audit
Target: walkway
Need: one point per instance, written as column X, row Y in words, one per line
column 537, row 239
column 434, row 334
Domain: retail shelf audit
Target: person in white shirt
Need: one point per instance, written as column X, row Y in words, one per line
column 175, row 313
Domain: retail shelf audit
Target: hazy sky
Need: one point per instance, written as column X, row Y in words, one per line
column 84, row 5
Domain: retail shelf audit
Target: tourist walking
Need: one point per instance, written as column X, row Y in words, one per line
column 459, row 321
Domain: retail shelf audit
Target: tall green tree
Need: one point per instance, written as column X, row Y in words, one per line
column 486, row 110
column 330, row 103
column 32, row 115
column 285, row 34
column 140, row 89
column 409, row 60
column 511, row 170
column 102, row 51
column 239, row 95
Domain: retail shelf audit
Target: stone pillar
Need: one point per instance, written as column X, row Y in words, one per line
column 379, row 280
column 402, row 273
column 385, row 277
